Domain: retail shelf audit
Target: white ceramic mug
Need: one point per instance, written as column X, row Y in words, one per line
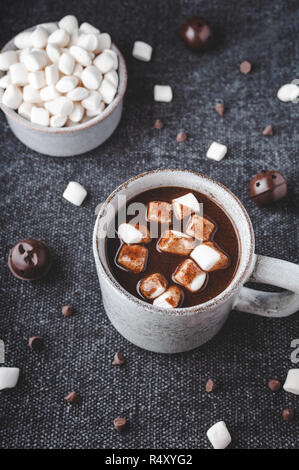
column 178, row 330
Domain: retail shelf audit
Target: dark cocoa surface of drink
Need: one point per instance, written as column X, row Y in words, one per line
column 224, row 236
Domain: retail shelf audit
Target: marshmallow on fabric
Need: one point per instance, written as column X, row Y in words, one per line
column 175, row 242
column 163, row 93
column 291, row 384
column 185, row 205
column 9, row 377
column 159, row 211
column 209, row 257
column 189, row 275
column 75, row 193
column 142, row 51
column 7, row 59
column 219, row 435
column 40, row 116
column 170, row 299
column 18, row 74
column 12, row 97
column 288, row 92
column 200, row 228
column 133, row 258
column 129, row 233
column 153, row 285
column 217, row 151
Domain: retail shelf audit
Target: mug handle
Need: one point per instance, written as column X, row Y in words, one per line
column 277, row 273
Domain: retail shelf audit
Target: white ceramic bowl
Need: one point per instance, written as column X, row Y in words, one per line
column 75, row 140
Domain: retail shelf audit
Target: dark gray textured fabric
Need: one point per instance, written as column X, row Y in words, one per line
column 162, row 396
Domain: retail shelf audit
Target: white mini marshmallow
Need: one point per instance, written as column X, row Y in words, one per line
column 107, row 90
column 75, row 193
column 129, row 234
column 40, row 116
column 77, row 113
column 185, row 205
column 219, row 435
column 35, row 60
column 5, row 81
column 50, row 27
column 88, row 29
column 205, row 256
column 291, row 384
column 104, row 62
column 163, row 93
column 175, row 242
column 24, row 110
column 189, row 275
column 112, row 77
column 78, row 71
column 104, row 42
column 23, row 40
column 114, row 57
column 88, row 41
column 66, row 63
column 69, row 23
column 92, row 101
column 80, row 55
column 153, row 286
column 31, row 95
column 170, row 299
column 288, row 92
column 53, row 52
column 91, row 77
column 12, row 97
column 37, row 79
column 61, row 106
column 217, row 151
column 67, row 83
column 58, row 121
column 39, row 37
column 49, row 93
column 18, row 74
column 7, row 59
column 9, row 377
column 142, row 51
column 60, row 38
column 78, row 94
column 51, row 74
column 97, row 111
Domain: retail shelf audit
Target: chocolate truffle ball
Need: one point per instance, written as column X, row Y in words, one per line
column 196, row 33
column 268, row 187
column 29, row 260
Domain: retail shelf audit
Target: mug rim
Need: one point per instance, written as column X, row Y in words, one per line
column 122, row 86
column 237, row 281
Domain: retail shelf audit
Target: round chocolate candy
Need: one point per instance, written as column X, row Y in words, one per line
column 29, row 260
column 268, row 187
column 196, row 33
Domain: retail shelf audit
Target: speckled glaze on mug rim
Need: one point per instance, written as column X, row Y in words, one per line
column 239, row 277
column 78, row 127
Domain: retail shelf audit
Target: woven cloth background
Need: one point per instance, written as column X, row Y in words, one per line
column 162, row 396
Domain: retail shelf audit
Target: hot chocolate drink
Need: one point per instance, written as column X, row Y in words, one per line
column 181, row 251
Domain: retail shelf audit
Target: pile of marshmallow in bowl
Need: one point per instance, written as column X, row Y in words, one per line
column 61, row 74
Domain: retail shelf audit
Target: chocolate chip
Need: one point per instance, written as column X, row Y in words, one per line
column 118, row 360
column 219, row 108
column 29, row 260
column 158, row 124
column 35, row 343
column 196, row 33
column 67, row 310
column 72, row 398
column 268, row 131
column 119, row 424
column 268, row 187
column 210, row 386
column 274, row 385
column 181, row 137
column 288, row 414
column 245, row 67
